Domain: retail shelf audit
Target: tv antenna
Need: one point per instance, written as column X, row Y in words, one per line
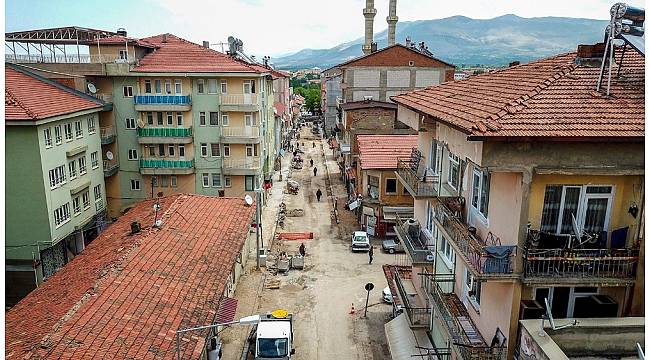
column 549, row 316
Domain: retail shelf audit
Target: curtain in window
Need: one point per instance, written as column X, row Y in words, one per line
column 595, row 215
column 551, row 210
column 571, row 201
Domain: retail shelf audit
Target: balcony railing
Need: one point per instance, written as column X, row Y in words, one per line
column 415, row 241
column 419, row 185
column 247, row 164
column 166, row 164
column 580, row 264
column 239, row 99
column 247, row 131
column 162, row 99
column 107, row 134
column 110, row 166
column 104, row 97
column 467, row 341
column 419, row 316
column 164, row 132
column 486, row 259
column 64, row 59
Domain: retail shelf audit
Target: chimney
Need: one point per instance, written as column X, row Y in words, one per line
column 135, row 227
column 392, row 21
column 121, row 32
column 369, row 13
column 514, row 63
column 206, row 44
column 408, row 42
column 164, row 39
column 590, row 55
column 373, row 47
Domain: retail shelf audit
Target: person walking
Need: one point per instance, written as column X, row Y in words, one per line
column 313, row 144
column 318, row 194
column 370, row 254
column 302, row 250
column 311, row 162
column 315, row 170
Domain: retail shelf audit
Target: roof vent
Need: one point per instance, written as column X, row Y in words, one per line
column 164, row 38
column 408, row 41
column 206, row 44
column 590, row 55
column 514, row 63
column 373, row 47
column 135, row 227
column 121, row 32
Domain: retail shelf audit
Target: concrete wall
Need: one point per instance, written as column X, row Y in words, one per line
column 206, row 134
column 381, row 82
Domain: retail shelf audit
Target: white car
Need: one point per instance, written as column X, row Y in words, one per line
column 386, row 295
column 360, row 241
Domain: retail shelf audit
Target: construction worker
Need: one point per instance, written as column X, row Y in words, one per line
column 315, row 170
column 311, row 162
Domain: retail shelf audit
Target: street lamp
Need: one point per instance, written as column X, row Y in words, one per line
column 248, row 320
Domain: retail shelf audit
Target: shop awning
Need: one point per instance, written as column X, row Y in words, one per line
column 391, row 212
column 404, row 342
column 227, row 310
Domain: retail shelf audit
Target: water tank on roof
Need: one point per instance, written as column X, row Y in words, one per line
column 121, row 31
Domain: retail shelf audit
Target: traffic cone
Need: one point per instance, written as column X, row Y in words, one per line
column 352, row 310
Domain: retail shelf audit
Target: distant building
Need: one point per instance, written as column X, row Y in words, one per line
column 331, row 96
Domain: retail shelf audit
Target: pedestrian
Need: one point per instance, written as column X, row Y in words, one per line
column 318, row 194
column 311, row 162
column 370, row 253
column 302, row 250
column 315, row 170
column 313, row 144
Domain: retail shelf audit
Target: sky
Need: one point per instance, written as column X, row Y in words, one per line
column 272, row 27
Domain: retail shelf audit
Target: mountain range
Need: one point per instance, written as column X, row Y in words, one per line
column 462, row 40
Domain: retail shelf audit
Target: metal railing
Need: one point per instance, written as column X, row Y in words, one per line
column 421, row 185
column 164, row 132
column 415, row 241
column 486, row 260
column 246, row 131
column 166, row 164
column 110, row 165
column 107, row 133
column 250, row 163
column 581, row 263
column 162, row 99
column 418, row 316
column 63, row 59
column 239, row 99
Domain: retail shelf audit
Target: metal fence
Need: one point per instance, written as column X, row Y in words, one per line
column 425, row 186
column 577, row 263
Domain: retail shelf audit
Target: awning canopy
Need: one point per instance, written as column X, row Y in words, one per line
column 391, row 212
column 404, row 342
column 227, row 310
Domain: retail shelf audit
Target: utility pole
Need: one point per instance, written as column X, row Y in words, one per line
column 258, row 220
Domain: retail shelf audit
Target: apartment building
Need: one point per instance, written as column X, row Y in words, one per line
column 55, row 192
column 528, row 187
column 331, row 96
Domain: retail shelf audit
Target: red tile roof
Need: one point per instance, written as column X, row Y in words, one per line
column 180, row 55
column 382, row 151
column 125, row 295
column 552, row 97
column 29, row 98
column 279, row 108
column 394, row 55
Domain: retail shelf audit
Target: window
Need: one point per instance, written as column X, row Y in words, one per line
column 62, row 215
column 57, row 134
column 391, row 186
column 82, row 165
column 249, row 86
column 159, row 118
column 249, row 183
column 72, row 169
column 251, row 150
column 224, row 86
column 149, row 118
column 216, row 180
column 181, row 150
column 179, row 119
column 47, row 136
column 135, row 185
column 226, row 181
column 170, row 118
column 173, row 181
column 204, row 149
column 214, row 118
column 68, row 131
column 94, row 161
column 215, row 150
column 97, row 190
column 429, row 218
column 147, row 86
column 133, row 154
column 123, row 55
column 206, row 180
column 212, row 86
column 157, row 86
column 480, row 191
column 164, row 181
column 57, row 176
column 200, row 86
column 435, row 157
column 373, row 187
column 130, row 123
column 202, row 118
column 76, row 206
column 86, row 199
column 154, row 181
column 127, row 91
column 161, row 150
column 225, row 121
column 178, row 87
column 453, row 176
column 249, row 119
column 226, row 150
column 168, row 87
column 590, row 205
column 91, row 125
column 170, row 149
column 446, row 250
column 472, row 289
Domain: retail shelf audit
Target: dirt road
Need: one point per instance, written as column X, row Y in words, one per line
column 321, row 295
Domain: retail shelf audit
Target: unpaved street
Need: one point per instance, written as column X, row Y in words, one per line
column 321, row 295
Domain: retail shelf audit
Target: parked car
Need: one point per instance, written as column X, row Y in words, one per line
column 392, row 246
column 360, row 241
column 387, row 296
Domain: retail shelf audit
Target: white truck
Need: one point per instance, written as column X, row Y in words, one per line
column 272, row 337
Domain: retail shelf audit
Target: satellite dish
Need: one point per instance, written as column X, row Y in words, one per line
column 158, row 223
column 156, row 207
column 109, row 155
column 249, row 200
column 92, row 88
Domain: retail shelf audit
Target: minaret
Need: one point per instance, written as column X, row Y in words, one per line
column 392, row 21
column 369, row 13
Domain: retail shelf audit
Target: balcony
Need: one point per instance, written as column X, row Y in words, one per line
column 107, row 135
column 486, row 259
column 162, row 102
column 99, row 205
column 418, row 313
column 415, row 241
column 240, row 135
column 111, row 167
column 104, row 97
column 578, row 266
column 239, row 102
column 64, row 59
column 166, row 167
column 164, row 135
column 416, row 182
column 467, row 341
column 246, row 166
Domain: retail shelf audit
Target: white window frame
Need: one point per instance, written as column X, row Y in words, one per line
column 72, row 169
column 250, row 150
column 127, row 91
column 157, row 86
column 224, row 86
column 452, row 160
column 445, row 250
column 94, row 160
column 170, row 118
column 62, row 215
column 91, row 125
column 583, row 200
column 210, row 118
column 47, row 137
column 218, row 178
column 58, row 135
column 227, row 181
column 135, row 185
column 225, row 119
column 212, row 152
column 168, row 87
column 179, row 118
column 200, row 86
column 250, row 86
column 181, row 150
column 226, row 150
column 148, row 83
column 123, row 54
column 202, row 119
column 178, row 87
column 171, row 151
column 149, row 116
column 78, row 129
column 97, row 191
column 76, row 206
column 206, row 180
column 68, row 132
column 478, row 186
column 85, row 200
column 204, row 149
column 469, row 282
column 130, row 123
column 161, row 150
column 133, row 154
column 249, row 119
column 173, row 181
column 82, row 165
